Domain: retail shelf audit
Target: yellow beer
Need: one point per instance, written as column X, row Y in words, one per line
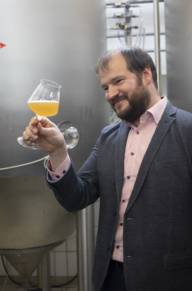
column 45, row 107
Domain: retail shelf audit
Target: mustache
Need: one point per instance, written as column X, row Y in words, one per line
column 118, row 98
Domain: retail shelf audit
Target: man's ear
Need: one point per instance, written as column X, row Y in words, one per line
column 147, row 76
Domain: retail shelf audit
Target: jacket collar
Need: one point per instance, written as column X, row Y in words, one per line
column 166, row 121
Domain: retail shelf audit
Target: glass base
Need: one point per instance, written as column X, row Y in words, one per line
column 70, row 133
column 23, row 144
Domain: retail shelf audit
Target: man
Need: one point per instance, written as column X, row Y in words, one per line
column 141, row 170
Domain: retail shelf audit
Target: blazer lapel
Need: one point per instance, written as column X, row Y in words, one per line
column 120, row 144
column 160, row 133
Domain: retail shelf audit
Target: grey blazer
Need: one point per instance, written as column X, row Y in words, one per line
column 158, row 219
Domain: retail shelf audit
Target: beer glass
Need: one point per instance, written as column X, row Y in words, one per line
column 44, row 101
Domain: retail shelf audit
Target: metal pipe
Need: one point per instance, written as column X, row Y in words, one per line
column 133, row 35
column 131, row 2
column 86, row 244
column 44, row 273
column 157, row 39
column 82, row 251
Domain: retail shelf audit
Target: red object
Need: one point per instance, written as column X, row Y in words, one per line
column 2, row 45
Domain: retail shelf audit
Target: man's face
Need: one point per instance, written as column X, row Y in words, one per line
column 124, row 90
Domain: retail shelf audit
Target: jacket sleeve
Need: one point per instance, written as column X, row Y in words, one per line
column 75, row 191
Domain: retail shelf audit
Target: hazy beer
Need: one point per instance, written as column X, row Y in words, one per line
column 44, row 107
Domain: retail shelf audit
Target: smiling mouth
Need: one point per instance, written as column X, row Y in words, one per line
column 118, row 100
column 118, row 103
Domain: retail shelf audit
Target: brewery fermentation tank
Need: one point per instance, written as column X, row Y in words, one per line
column 61, row 41
column 178, row 25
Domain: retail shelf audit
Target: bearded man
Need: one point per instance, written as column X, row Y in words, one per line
column 141, row 170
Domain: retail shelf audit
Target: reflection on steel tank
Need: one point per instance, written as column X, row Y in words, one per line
column 178, row 21
column 30, row 216
column 56, row 40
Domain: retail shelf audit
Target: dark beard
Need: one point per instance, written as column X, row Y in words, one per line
column 138, row 104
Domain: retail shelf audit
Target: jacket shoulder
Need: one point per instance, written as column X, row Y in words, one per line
column 184, row 118
column 111, row 128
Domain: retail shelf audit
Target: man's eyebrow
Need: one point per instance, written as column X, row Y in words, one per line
column 117, row 77
column 112, row 80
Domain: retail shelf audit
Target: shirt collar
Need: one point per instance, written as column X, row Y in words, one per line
column 155, row 112
column 157, row 109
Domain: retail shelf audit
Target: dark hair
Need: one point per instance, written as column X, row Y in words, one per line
column 136, row 59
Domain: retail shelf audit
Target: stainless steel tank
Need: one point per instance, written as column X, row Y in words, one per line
column 178, row 25
column 57, row 40
column 52, row 39
column 29, row 214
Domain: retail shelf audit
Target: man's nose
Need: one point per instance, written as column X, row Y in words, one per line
column 112, row 92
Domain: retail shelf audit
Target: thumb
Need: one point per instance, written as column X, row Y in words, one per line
column 45, row 127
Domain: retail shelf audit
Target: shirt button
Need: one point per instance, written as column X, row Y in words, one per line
column 132, row 154
column 117, row 246
column 137, row 132
column 123, row 201
column 121, row 223
column 128, row 177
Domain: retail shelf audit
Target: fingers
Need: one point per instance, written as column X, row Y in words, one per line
column 31, row 131
column 35, row 128
column 45, row 122
column 30, row 134
column 34, row 121
column 43, row 132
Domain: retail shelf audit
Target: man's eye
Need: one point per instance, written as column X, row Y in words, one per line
column 118, row 81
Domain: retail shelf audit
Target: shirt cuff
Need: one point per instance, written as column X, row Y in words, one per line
column 60, row 171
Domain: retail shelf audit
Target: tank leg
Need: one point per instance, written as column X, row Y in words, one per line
column 44, row 273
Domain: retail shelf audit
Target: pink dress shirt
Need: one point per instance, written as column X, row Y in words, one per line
column 60, row 171
column 137, row 143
